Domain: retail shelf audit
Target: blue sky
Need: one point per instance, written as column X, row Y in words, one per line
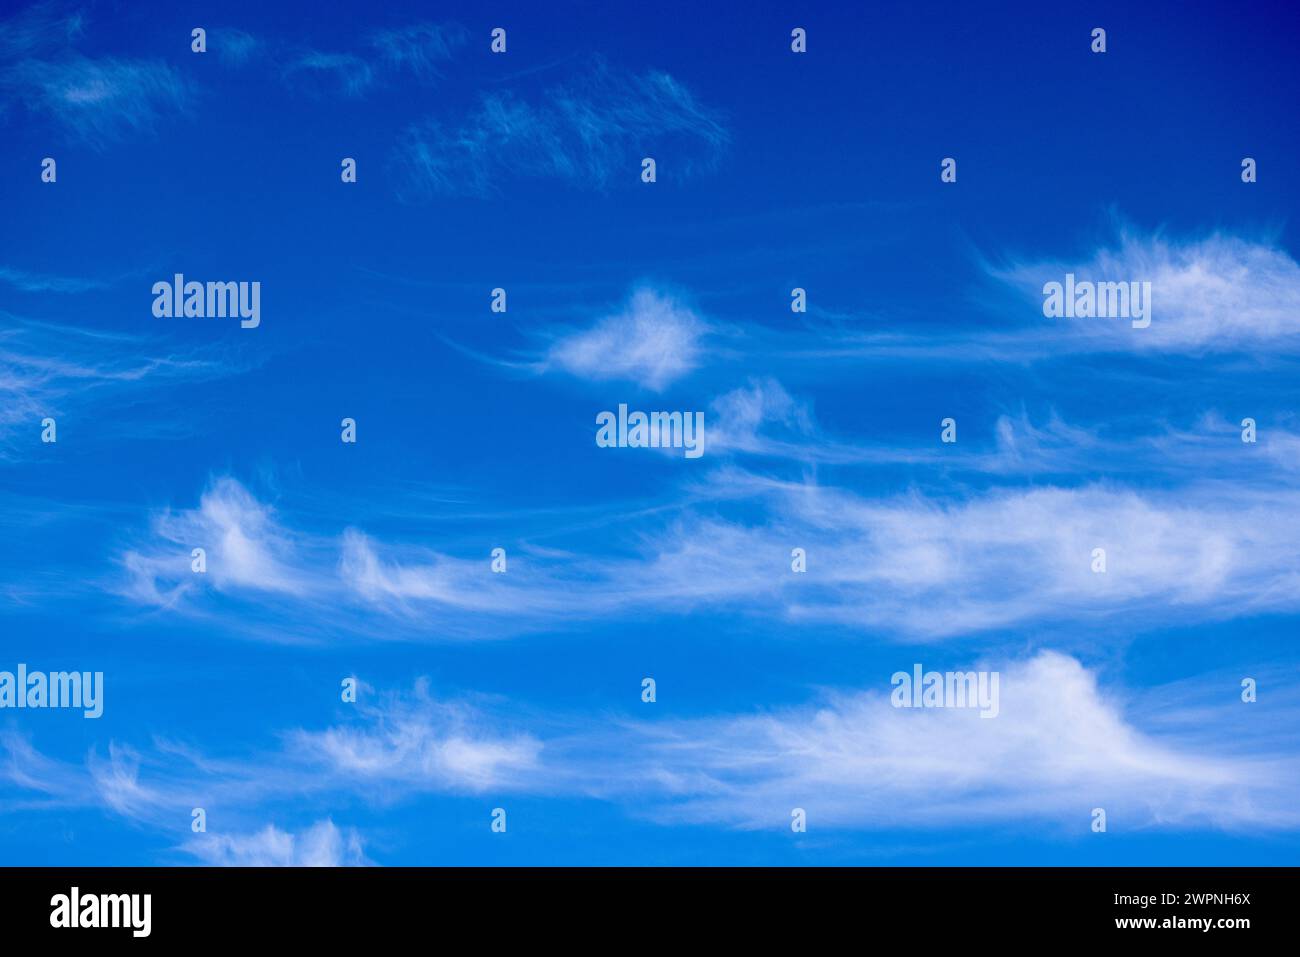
column 476, row 430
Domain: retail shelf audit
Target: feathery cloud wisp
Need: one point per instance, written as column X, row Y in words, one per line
column 1218, row 293
column 588, row 133
column 323, row 844
column 654, row 341
column 1058, row 749
column 98, row 101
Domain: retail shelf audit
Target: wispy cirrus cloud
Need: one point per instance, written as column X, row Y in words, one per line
column 49, row 370
column 1213, row 294
column 401, row 745
column 296, row 584
column 36, row 282
column 38, row 29
column 1059, row 747
column 404, row 742
column 417, row 49
column 943, row 565
column 323, row 844
column 235, row 47
column 912, row 565
column 908, row 565
column 247, row 548
column 420, row 47
column 175, row 782
column 654, row 341
column 417, row 743
column 330, row 73
column 590, row 132
column 96, row 100
column 762, row 420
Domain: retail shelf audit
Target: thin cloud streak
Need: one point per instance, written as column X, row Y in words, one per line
column 587, row 133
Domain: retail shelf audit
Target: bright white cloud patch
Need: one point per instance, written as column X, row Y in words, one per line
column 1216, row 294
column 921, row 565
column 1058, row 749
column 908, row 565
column 245, row 545
column 421, row 744
column 654, row 341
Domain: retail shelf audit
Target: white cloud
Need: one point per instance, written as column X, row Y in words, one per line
column 416, row 48
column 96, row 100
column 247, row 549
column 321, row 845
column 402, row 746
column 1213, row 295
column 38, row 30
column 654, row 341
column 1058, row 749
column 421, row 744
column 464, row 593
column 1059, row 746
column 924, row 565
column 294, row 585
column 744, row 418
column 419, row 47
column 589, row 132
column 910, row 565
column 117, row 781
column 50, row 370
column 918, row 565
column 1219, row 293
column 330, row 73
column 235, row 47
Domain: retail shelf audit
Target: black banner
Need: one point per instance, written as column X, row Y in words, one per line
column 1225, row 906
